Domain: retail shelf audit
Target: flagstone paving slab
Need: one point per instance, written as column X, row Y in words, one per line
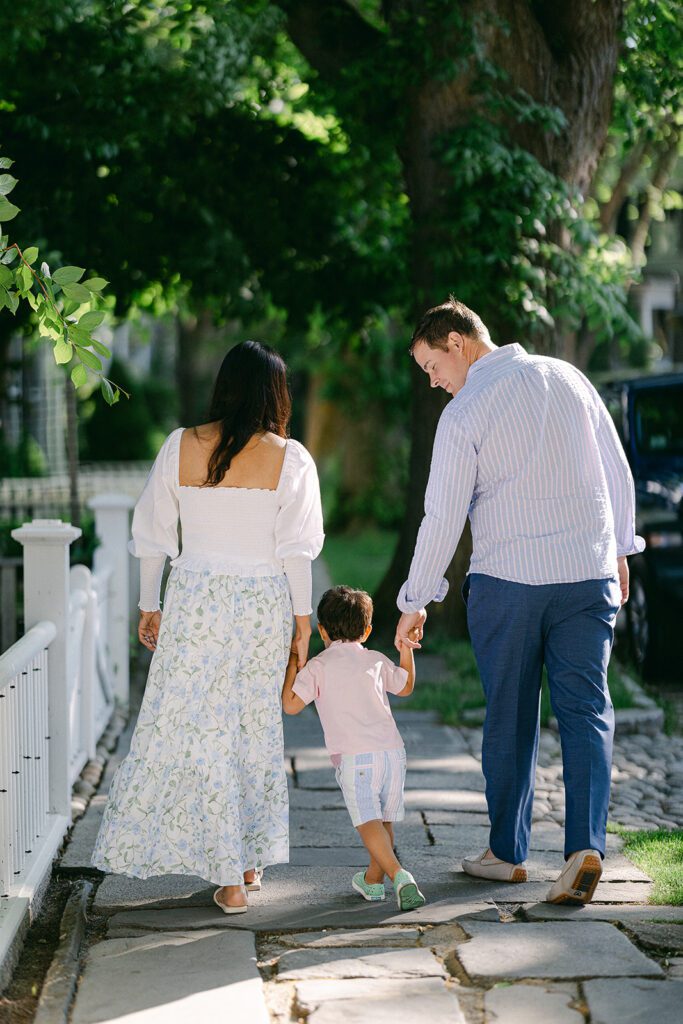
column 452, row 798
column 595, row 912
column 282, row 916
column 358, row 962
column 665, row 937
column 445, row 817
column 633, row 1001
column 346, row 937
column 532, row 1004
column 551, row 950
column 381, row 1000
column 338, row 856
column 172, row 978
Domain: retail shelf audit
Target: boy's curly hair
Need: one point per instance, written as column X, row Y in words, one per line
column 345, row 613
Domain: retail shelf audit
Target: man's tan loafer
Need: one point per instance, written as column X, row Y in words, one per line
column 488, row 866
column 578, row 879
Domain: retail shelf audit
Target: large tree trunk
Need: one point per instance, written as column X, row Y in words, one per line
column 560, row 54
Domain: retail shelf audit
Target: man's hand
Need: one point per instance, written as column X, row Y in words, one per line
column 148, row 629
column 622, row 565
column 410, row 629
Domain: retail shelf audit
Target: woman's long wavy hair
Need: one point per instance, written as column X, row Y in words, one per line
column 250, row 395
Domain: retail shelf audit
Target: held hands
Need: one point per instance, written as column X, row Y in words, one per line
column 148, row 629
column 414, row 635
column 409, row 630
column 301, row 639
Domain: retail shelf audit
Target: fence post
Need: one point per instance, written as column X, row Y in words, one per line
column 112, row 526
column 46, row 545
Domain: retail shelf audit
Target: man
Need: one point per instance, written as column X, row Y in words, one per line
column 528, row 450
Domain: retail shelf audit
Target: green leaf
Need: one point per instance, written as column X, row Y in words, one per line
column 63, row 351
column 78, row 336
column 77, row 292
column 6, row 276
column 7, row 210
column 89, row 321
column 25, row 277
column 100, row 348
column 9, row 256
column 89, row 358
column 96, row 284
column 5, row 163
column 7, row 183
column 31, row 254
column 13, row 301
column 79, row 375
column 108, row 392
column 67, row 275
column 33, row 301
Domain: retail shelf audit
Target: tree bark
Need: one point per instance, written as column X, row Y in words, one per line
column 560, row 54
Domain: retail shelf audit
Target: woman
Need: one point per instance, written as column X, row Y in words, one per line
column 203, row 790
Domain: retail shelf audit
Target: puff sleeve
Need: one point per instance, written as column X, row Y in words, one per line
column 155, row 521
column 299, row 524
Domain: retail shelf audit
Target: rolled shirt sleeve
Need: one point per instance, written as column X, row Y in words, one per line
column 452, row 478
column 619, row 484
column 155, row 522
column 299, row 525
column 618, row 476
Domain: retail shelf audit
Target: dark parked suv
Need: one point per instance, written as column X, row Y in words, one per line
column 648, row 413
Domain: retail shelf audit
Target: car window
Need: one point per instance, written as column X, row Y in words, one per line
column 658, row 421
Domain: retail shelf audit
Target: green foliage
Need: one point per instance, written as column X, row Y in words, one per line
column 359, row 558
column 26, row 459
column 126, row 432
column 60, row 303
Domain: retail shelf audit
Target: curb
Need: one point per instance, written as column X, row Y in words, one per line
column 62, row 976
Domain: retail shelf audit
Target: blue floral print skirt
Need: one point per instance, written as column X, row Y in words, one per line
column 203, row 790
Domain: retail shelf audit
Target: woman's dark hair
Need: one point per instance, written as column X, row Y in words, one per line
column 250, row 394
column 345, row 613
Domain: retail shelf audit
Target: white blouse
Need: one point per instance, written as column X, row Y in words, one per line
column 245, row 531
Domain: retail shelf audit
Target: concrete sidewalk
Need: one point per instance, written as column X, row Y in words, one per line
column 159, row 951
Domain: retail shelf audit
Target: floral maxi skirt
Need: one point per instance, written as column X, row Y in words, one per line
column 203, row 790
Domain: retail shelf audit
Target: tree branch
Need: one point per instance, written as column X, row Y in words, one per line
column 668, row 155
column 569, row 26
column 609, row 210
column 331, row 34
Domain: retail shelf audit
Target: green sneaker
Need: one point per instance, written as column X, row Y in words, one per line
column 371, row 893
column 408, row 896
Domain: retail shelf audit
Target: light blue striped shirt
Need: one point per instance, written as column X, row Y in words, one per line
column 528, row 450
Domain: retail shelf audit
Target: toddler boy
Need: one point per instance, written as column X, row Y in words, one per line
column 349, row 685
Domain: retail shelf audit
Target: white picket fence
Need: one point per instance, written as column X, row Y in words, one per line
column 58, row 688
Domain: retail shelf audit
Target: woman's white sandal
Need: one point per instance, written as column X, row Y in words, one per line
column 227, row 909
column 255, row 886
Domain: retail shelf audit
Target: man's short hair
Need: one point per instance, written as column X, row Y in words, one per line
column 436, row 324
column 345, row 613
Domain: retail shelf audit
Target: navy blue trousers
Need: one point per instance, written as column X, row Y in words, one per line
column 516, row 629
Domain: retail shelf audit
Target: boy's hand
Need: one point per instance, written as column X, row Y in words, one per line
column 413, row 636
column 409, row 629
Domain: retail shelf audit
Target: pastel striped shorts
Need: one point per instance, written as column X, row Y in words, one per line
column 372, row 785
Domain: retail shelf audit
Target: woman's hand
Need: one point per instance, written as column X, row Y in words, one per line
column 301, row 639
column 148, row 629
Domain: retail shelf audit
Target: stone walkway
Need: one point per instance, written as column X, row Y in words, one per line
column 159, row 952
